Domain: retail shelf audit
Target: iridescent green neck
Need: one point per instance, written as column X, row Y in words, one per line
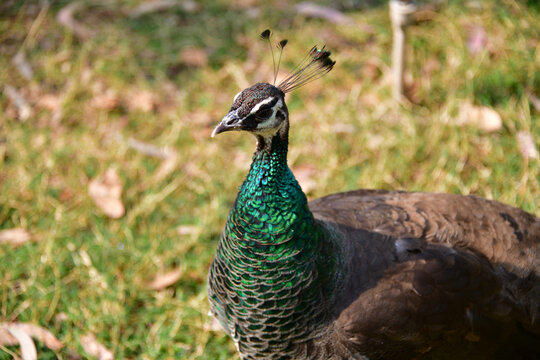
column 270, row 206
column 276, row 268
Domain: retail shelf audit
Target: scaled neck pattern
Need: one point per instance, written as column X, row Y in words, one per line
column 276, row 274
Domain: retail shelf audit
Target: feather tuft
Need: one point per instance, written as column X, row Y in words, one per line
column 265, row 35
column 316, row 64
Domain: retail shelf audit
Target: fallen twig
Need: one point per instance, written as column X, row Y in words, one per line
column 149, row 7
column 66, row 17
column 23, row 108
column 22, row 65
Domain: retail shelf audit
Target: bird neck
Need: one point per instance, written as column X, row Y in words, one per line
column 270, row 207
column 276, row 256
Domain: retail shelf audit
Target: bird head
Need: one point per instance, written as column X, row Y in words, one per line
column 261, row 109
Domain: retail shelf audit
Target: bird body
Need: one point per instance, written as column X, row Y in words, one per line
column 368, row 274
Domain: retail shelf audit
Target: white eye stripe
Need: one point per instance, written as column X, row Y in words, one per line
column 236, row 96
column 258, row 106
column 272, row 120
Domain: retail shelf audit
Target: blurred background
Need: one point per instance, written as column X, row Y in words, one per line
column 113, row 195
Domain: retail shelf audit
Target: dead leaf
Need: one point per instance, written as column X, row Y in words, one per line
column 371, row 71
column 375, row 141
column 106, row 191
column 313, row 10
column 193, row 57
column 15, row 237
column 35, row 331
column 342, row 128
column 167, row 166
column 28, row 349
column 106, row 100
column 142, row 100
column 163, row 280
column 304, row 174
column 471, row 336
column 94, row 348
column 24, row 111
column 187, row 229
column 65, row 195
column 482, row 117
column 66, row 17
column 432, row 64
column 50, row 102
column 535, row 101
column 477, row 39
column 526, row 145
column 61, row 317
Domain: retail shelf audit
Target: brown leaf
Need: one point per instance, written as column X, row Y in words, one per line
column 343, row 128
column 483, row 117
column 106, row 100
column 37, row 332
column 106, row 191
column 142, row 100
column 15, row 237
column 371, row 71
column 432, row 64
column 65, row 195
column 526, row 145
column 163, row 280
column 193, row 56
column 50, row 102
column 94, row 348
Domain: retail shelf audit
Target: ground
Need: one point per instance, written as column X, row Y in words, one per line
column 140, row 94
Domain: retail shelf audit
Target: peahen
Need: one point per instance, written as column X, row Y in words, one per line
column 366, row 274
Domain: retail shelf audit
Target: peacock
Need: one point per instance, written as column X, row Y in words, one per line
column 366, row 274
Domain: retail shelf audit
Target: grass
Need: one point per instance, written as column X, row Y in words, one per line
column 345, row 129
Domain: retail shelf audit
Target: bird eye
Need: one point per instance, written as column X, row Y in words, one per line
column 263, row 114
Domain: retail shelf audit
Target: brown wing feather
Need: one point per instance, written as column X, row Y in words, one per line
column 430, row 270
column 502, row 233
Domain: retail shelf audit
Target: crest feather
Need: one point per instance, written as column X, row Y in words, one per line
column 316, row 64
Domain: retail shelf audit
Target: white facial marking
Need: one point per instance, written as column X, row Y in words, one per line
column 236, row 96
column 269, row 127
column 258, row 106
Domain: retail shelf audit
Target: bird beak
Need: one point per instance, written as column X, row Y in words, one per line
column 231, row 121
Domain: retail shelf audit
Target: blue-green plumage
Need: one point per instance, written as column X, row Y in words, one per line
column 271, row 262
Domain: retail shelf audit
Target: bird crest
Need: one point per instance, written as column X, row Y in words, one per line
column 315, row 64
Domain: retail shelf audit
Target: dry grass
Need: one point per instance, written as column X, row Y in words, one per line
column 134, row 79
